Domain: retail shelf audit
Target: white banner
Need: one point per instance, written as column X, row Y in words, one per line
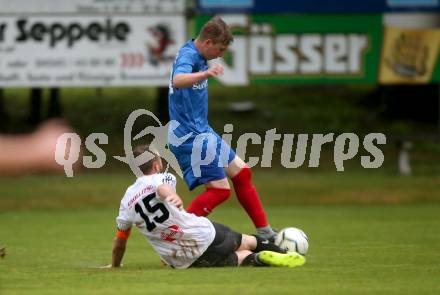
column 91, row 6
column 88, row 50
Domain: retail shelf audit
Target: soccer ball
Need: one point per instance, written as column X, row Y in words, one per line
column 292, row 239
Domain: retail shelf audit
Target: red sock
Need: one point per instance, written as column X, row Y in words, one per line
column 248, row 197
column 203, row 204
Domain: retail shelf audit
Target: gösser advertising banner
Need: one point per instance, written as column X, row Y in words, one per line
column 302, row 48
column 88, row 50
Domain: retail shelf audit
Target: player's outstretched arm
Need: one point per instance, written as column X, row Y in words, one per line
column 167, row 193
column 20, row 154
column 119, row 244
column 187, row 80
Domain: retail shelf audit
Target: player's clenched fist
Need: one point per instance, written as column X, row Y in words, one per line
column 214, row 70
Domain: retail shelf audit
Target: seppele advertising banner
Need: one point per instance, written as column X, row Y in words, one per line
column 88, row 50
column 293, row 48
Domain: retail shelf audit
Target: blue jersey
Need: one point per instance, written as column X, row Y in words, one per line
column 189, row 106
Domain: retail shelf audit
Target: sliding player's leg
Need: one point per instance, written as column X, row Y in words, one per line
column 222, row 251
column 255, row 251
column 269, row 258
column 257, row 244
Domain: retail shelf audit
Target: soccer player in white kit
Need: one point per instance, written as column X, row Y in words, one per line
column 183, row 239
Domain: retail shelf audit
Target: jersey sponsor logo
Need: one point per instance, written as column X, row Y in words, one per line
column 171, row 233
column 169, row 179
column 201, row 85
column 139, row 194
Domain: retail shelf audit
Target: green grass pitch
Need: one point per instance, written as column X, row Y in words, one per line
column 368, row 235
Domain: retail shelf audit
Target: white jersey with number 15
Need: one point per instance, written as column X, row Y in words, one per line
column 179, row 237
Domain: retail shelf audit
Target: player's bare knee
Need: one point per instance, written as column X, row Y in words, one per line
column 222, row 184
column 248, row 242
column 235, row 167
column 239, row 163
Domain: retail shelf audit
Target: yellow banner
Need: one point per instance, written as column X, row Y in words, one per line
column 408, row 56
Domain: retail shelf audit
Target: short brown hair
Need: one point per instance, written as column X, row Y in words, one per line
column 139, row 150
column 216, row 30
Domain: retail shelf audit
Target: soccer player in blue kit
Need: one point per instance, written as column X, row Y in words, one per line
column 188, row 105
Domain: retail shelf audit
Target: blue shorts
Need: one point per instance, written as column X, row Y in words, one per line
column 202, row 158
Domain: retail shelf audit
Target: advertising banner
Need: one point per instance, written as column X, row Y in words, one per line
column 32, row 7
column 410, row 56
column 88, row 50
column 315, row 6
column 301, row 48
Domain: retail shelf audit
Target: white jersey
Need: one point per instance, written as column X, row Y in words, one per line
column 179, row 237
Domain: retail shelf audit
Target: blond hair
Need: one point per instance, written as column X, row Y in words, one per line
column 216, row 30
